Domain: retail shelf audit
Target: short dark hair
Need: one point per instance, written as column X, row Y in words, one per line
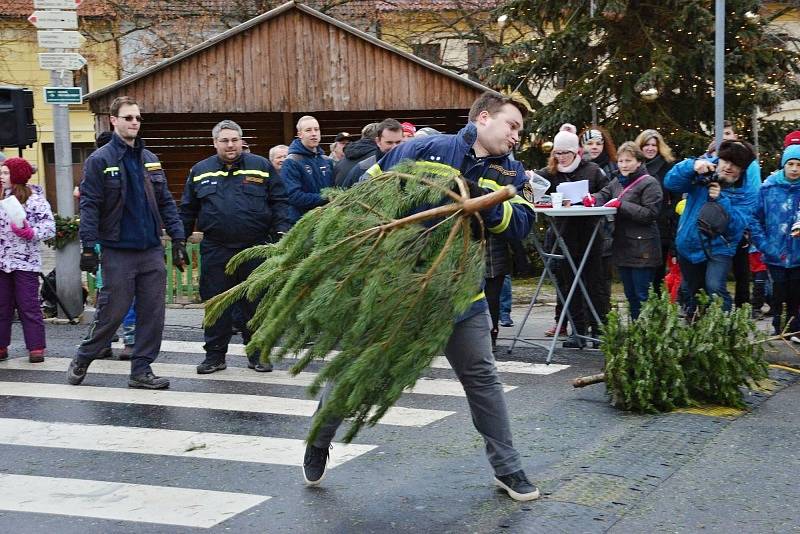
column 121, row 101
column 727, row 124
column 493, row 102
column 389, row 124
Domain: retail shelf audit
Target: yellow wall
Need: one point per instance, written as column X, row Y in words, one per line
column 19, row 66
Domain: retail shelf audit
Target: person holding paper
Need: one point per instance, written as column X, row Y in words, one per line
column 636, row 248
column 25, row 220
column 566, row 165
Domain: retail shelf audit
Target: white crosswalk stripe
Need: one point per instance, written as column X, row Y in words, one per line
column 397, row 415
column 210, row 445
column 503, row 366
column 425, row 386
column 122, row 501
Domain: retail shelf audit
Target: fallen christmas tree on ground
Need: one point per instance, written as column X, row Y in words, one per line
column 660, row 362
column 362, row 276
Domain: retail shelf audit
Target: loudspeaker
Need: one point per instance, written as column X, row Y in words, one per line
column 16, row 118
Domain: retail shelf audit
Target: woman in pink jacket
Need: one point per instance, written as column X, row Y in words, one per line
column 20, row 259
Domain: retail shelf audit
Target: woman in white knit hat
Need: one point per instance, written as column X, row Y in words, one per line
column 566, row 165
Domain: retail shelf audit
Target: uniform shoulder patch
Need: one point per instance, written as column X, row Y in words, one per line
column 527, row 191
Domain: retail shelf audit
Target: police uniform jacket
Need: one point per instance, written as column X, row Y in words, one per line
column 103, row 189
column 235, row 206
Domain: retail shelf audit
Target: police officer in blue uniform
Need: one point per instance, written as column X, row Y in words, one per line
column 237, row 200
column 480, row 151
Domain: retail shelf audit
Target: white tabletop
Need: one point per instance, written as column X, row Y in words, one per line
column 575, row 211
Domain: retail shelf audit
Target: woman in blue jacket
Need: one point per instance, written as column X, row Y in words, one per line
column 777, row 212
column 705, row 261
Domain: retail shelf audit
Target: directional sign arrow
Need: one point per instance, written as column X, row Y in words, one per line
column 56, row 4
column 60, row 39
column 56, row 61
column 54, row 20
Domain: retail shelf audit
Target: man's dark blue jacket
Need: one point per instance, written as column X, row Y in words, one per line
column 305, row 174
column 510, row 220
column 236, row 206
column 103, row 191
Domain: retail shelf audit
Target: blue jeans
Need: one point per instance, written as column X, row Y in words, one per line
column 129, row 326
column 505, row 300
column 636, row 281
column 710, row 275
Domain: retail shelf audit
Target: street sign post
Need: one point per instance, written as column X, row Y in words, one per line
column 61, row 61
column 60, row 39
column 56, row 4
column 63, row 95
column 54, row 20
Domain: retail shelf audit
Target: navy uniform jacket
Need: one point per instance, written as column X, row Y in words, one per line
column 103, row 189
column 236, row 207
column 511, row 220
column 305, row 174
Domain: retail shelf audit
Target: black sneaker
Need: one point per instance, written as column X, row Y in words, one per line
column 517, row 486
column 105, row 353
column 148, row 381
column 206, row 368
column 76, row 371
column 315, row 463
column 259, row 367
column 507, row 322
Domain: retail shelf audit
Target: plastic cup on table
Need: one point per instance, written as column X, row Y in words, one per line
column 557, row 199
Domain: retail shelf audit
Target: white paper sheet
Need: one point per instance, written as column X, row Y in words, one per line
column 15, row 211
column 574, row 191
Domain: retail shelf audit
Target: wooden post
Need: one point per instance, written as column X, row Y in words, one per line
column 288, row 127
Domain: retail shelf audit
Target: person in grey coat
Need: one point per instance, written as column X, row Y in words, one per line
column 636, row 247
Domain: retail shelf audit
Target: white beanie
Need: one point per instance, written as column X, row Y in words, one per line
column 566, row 141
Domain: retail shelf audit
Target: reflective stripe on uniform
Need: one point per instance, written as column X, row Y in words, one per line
column 111, row 169
column 440, row 169
column 153, row 166
column 505, row 221
column 480, row 296
column 375, row 170
column 248, row 171
column 208, row 175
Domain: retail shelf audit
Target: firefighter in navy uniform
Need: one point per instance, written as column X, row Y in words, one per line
column 238, row 201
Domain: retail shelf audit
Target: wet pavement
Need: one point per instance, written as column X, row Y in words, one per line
column 223, row 455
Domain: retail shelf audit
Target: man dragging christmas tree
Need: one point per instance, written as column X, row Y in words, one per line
column 480, row 151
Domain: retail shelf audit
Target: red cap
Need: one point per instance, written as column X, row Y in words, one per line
column 20, row 170
column 408, row 128
column 792, row 138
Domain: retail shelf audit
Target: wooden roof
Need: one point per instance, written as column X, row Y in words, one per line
column 291, row 59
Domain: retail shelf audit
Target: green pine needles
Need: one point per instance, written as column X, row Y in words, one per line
column 355, row 277
column 659, row 362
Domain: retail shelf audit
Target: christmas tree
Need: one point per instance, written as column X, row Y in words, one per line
column 647, row 65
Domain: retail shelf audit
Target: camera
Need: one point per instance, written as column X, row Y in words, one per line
column 707, row 179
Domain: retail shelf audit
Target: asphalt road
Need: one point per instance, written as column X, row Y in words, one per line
column 222, row 453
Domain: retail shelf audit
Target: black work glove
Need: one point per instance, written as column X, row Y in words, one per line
column 474, row 189
column 89, row 260
column 180, row 258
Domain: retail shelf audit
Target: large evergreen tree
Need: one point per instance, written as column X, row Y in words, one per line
column 647, row 65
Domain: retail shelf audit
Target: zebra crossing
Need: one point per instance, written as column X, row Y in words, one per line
column 234, row 391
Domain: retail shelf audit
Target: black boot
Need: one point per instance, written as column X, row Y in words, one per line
column 574, row 342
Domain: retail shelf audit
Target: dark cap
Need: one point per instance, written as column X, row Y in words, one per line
column 342, row 136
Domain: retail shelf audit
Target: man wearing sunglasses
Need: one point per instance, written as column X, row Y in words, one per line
column 124, row 203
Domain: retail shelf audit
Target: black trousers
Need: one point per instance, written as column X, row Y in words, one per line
column 214, row 281
column 492, row 288
column 741, row 273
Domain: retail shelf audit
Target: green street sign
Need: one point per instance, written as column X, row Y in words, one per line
column 63, row 95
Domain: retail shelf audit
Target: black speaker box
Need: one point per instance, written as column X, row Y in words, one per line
column 16, row 118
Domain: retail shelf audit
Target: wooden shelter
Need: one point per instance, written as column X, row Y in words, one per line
column 268, row 72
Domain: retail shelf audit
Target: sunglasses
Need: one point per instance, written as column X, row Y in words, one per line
column 131, row 118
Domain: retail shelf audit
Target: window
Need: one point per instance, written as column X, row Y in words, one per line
column 479, row 56
column 428, row 51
